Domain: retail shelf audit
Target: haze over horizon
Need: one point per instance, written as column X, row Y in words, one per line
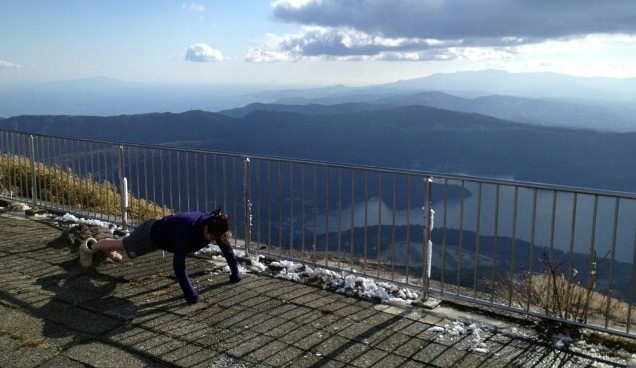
column 311, row 42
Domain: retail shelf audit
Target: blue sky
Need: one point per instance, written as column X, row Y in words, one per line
column 310, row 42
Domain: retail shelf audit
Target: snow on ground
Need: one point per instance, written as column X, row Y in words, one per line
column 17, row 206
column 74, row 221
column 340, row 282
column 79, row 220
column 460, row 329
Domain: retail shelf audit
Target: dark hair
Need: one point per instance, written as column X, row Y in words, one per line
column 217, row 225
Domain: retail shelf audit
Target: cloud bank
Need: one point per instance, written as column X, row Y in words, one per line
column 200, row 52
column 435, row 29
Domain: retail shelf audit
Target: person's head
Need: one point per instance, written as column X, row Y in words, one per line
column 216, row 227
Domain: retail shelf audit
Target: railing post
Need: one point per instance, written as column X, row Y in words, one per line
column 123, row 185
column 248, row 205
column 427, row 246
column 34, row 187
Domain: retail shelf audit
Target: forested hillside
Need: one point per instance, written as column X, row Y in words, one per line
column 412, row 137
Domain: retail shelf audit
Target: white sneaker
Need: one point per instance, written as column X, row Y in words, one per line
column 86, row 253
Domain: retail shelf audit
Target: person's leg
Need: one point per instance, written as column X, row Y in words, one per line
column 106, row 245
column 136, row 244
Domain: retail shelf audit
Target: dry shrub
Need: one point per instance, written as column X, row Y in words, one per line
column 564, row 297
column 64, row 187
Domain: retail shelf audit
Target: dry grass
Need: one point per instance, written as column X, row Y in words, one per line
column 30, row 342
column 63, row 186
column 565, row 298
column 570, row 300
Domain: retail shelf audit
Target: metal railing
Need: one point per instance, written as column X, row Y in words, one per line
column 554, row 252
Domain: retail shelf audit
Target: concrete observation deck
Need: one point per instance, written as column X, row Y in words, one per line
column 132, row 314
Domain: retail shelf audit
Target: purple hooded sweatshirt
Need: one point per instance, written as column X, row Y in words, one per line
column 180, row 234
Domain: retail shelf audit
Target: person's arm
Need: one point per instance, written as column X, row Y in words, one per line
column 178, row 264
column 224, row 243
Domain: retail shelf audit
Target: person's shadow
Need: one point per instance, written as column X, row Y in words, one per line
column 82, row 304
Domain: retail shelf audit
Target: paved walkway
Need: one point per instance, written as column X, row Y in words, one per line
column 53, row 314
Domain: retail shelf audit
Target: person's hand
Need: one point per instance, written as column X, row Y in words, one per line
column 235, row 278
column 193, row 299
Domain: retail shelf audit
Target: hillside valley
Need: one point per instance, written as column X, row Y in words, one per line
column 410, row 137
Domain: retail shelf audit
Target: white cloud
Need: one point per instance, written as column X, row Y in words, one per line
column 438, row 29
column 347, row 44
column 464, row 19
column 8, row 65
column 291, row 3
column 263, row 54
column 194, row 7
column 200, row 52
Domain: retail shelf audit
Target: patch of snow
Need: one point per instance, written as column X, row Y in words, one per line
column 459, row 329
column 211, row 248
column 67, row 217
column 72, row 221
column 346, row 283
column 481, row 350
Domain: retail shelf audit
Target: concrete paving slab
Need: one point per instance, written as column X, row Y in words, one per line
column 97, row 354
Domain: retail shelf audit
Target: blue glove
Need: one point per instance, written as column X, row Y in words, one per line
column 192, row 299
column 230, row 257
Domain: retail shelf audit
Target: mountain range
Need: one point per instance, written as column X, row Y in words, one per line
column 409, row 137
column 606, row 104
column 536, row 127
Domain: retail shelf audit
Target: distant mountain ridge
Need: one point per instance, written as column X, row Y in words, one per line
column 526, row 110
column 470, row 84
column 539, row 98
column 308, row 109
column 535, row 85
column 409, row 137
column 604, row 104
